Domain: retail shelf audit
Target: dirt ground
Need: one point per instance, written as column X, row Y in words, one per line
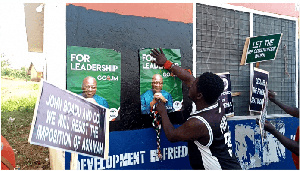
column 27, row 156
column 30, row 157
column 15, row 87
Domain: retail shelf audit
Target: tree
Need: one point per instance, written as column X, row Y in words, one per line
column 4, row 62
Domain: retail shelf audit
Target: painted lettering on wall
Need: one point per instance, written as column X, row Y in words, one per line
column 131, row 159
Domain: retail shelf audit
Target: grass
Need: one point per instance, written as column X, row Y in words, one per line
column 18, row 98
column 13, row 129
column 23, row 104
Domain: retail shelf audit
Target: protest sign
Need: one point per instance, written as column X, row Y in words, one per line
column 171, row 85
column 102, row 64
column 258, row 90
column 226, row 98
column 260, row 48
column 262, row 119
column 67, row 121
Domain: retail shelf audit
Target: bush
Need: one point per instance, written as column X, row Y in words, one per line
column 21, row 104
column 15, row 73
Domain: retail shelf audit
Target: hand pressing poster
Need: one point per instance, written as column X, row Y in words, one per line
column 157, row 83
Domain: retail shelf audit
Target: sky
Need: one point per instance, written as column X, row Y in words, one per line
column 13, row 38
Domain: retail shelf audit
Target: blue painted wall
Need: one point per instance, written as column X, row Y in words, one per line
column 124, row 146
column 270, row 155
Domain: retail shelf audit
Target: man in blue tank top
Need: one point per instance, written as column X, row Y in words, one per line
column 206, row 131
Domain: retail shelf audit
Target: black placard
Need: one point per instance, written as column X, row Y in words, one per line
column 226, row 98
column 258, row 90
column 67, row 121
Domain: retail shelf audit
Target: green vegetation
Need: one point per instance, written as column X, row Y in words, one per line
column 18, row 99
column 23, row 104
column 17, row 111
column 13, row 73
column 16, row 73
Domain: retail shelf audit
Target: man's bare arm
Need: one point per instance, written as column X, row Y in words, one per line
column 288, row 109
column 192, row 129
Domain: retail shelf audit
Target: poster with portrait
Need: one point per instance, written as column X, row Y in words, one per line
column 157, row 81
column 226, row 98
column 102, row 64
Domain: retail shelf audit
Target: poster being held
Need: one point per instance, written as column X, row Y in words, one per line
column 258, row 90
column 226, row 98
column 96, row 71
column 259, row 96
column 158, row 83
column 67, row 121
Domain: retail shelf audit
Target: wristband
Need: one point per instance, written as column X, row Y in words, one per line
column 168, row 64
column 172, row 65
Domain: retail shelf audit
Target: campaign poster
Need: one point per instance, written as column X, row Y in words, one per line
column 258, row 90
column 226, row 98
column 67, row 121
column 155, row 79
column 102, row 64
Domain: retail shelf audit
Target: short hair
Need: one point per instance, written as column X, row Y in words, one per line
column 211, row 86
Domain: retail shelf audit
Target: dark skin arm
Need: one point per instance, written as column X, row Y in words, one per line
column 290, row 144
column 182, row 74
column 193, row 129
column 288, row 109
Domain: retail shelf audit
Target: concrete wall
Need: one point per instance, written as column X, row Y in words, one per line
column 128, row 34
column 288, row 9
column 133, row 136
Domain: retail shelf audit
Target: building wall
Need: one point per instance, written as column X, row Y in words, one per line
column 40, row 75
column 220, row 36
column 133, row 135
column 128, row 34
column 288, row 9
column 181, row 12
column 33, row 73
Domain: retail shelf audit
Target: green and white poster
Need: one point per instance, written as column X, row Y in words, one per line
column 156, row 82
column 104, row 65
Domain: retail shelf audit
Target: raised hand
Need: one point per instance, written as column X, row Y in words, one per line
column 159, row 56
column 271, row 95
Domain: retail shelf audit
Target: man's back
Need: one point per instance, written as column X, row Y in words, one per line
column 217, row 153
